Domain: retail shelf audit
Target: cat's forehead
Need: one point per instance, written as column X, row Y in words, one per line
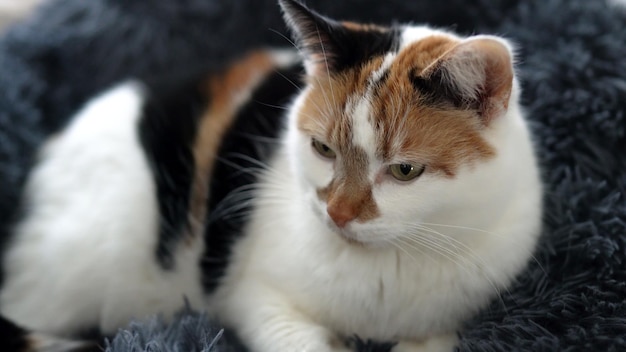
column 376, row 108
column 415, row 47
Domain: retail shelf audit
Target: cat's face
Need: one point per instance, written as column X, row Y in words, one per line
column 386, row 126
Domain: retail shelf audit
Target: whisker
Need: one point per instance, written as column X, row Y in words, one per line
column 531, row 255
column 335, row 106
column 422, row 252
column 303, row 54
column 299, row 88
column 454, row 258
column 416, row 241
column 287, row 39
column 233, row 207
column 458, row 245
column 261, row 138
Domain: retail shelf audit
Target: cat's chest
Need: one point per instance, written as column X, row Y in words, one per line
column 374, row 293
column 353, row 290
column 380, row 297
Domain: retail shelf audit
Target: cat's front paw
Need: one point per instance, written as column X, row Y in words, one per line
column 314, row 346
column 437, row 343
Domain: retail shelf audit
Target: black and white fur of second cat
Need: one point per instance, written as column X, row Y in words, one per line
column 390, row 194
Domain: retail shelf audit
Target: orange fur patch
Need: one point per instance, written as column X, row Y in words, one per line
column 228, row 92
column 423, row 53
column 323, row 112
column 442, row 138
column 349, row 195
column 323, row 117
column 409, row 127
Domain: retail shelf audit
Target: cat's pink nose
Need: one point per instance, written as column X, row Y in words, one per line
column 341, row 214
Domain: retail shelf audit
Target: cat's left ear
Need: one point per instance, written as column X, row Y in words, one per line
column 331, row 46
column 475, row 74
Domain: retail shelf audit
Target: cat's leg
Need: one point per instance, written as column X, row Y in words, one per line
column 437, row 343
column 267, row 322
column 283, row 329
column 290, row 332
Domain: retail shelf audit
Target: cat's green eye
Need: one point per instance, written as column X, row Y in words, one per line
column 323, row 149
column 406, row 172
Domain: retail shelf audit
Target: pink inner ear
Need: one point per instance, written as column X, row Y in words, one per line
column 482, row 69
column 498, row 77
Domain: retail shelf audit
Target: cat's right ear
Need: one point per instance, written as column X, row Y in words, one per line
column 476, row 74
column 330, row 46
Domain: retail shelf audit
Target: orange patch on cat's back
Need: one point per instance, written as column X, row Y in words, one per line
column 227, row 92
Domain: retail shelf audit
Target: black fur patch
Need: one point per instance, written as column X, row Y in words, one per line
column 355, row 47
column 252, row 137
column 435, row 89
column 167, row 132
column 339, row 46
column 12, row 337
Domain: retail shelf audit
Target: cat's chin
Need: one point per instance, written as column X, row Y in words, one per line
column 350, row 237
column 353, row 237
column 357, row 241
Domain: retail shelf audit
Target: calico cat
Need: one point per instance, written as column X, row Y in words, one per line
column 404, row 196
column 390, row 193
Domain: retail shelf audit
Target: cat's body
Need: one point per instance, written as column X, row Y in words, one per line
column 47, row 288
column 115, row 210
column 396, row 260
column 402, row 195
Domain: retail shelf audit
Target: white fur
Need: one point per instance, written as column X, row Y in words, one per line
column 84, row 256
column 377, row 75
column 363, row 134
column 412, row 34
column 295, row 285
column 359, row 109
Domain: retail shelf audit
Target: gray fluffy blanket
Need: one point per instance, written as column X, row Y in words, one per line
column 572, row 62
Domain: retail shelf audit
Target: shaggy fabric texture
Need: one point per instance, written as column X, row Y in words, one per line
column 573, row 71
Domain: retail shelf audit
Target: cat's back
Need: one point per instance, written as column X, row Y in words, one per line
column 114, row 210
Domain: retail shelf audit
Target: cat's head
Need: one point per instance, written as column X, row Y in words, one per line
column 393, row 121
